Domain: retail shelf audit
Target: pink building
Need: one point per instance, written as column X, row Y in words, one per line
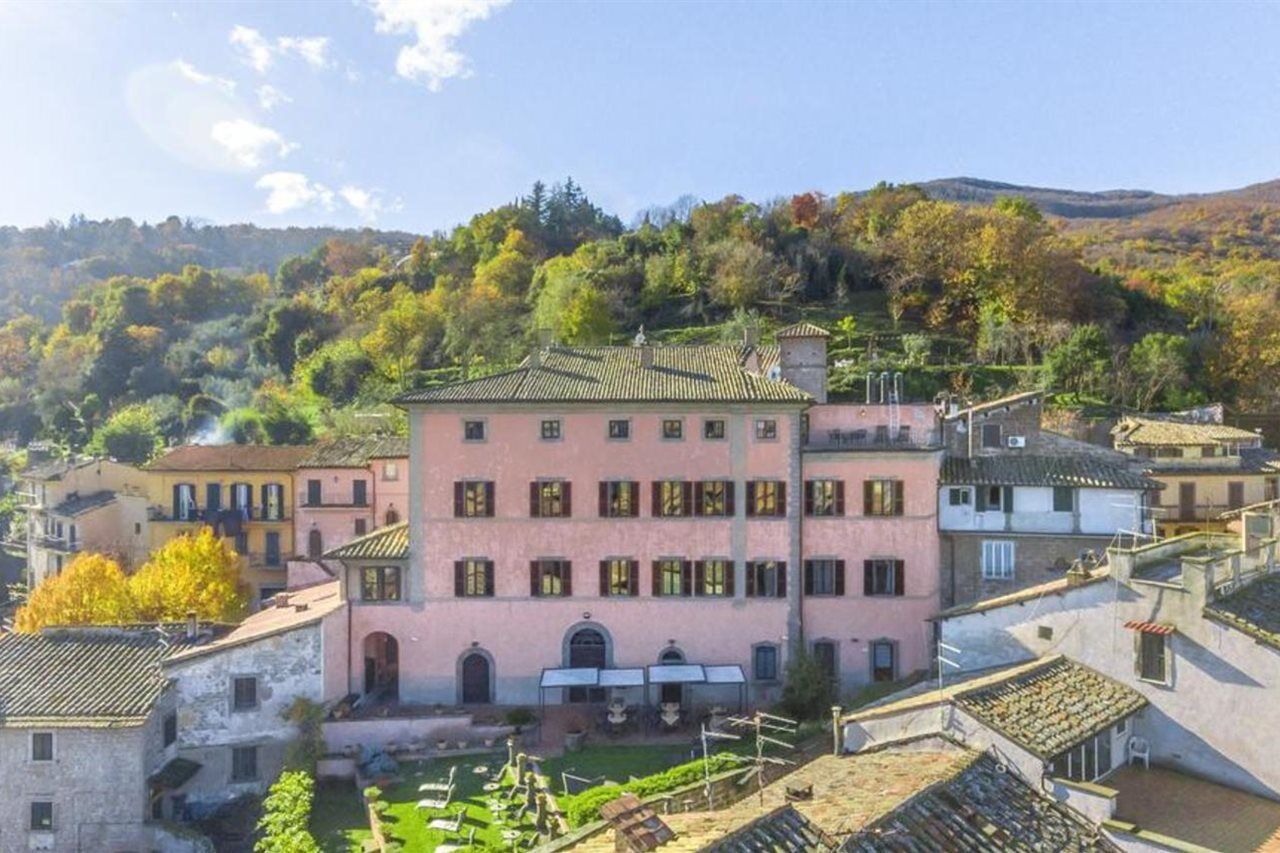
column 620, row 507
column 347, row 487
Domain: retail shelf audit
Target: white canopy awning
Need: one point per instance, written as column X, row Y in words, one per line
column 677, row 673
column 622, row 677
column 726, row 674
column 578, row 677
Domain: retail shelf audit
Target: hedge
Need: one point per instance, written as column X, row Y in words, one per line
column 584, row 808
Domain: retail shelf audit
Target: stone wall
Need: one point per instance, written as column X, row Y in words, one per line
column 1037, row 559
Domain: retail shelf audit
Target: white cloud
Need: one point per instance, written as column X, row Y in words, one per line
column 368, row 204
column 269, row 97
column 436, row 25
column 249, row 144
column 288, row 191
column 254, row 47
column 190, row 72
column 259, row 52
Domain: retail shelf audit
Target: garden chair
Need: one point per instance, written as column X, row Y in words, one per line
column 453, row 848
column 448, row 825
column 1140, row 750
column 437, row 803
column 427, row 787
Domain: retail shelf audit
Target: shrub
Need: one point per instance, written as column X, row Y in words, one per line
column 808, row 693
column 585, row 807
column 519, row 717
column 286, row 813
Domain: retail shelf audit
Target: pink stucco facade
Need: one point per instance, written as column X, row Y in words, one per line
column 341, row 513
column 518, row 635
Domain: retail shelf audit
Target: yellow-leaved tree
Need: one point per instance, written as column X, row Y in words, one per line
column 199, row 573
column 90, row 590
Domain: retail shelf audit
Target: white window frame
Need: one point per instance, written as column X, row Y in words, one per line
column 959, row 496
column 998, row 559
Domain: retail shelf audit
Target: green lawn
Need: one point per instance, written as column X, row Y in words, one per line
column 339, row 824
column 614, row 763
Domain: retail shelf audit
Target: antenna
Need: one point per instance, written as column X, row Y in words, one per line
column 761, row 722
column 706, row 763
column 944, row 662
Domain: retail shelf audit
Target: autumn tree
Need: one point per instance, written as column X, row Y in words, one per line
column 190, row 573
column 90, row 590
column 1158, row 367
column 130, row 435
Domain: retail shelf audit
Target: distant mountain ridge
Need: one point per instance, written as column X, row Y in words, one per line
column 1077, row 204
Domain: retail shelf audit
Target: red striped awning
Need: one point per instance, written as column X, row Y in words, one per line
column 1149, row 627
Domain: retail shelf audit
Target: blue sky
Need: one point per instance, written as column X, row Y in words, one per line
column 415, row 115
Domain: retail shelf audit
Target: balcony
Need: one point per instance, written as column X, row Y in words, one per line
column 1170, row 514
column 878, row 438
column 57, row 543
column 335, row 505
column 204, row 516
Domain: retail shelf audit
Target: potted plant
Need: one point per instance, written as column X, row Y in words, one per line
column 462, row 744
column 575, row 734
column 442, row 744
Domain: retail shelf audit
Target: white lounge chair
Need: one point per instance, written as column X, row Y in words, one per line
column 426, row 787
column 453, row 848
column 448, row 825
column 437, row 803
column 1140, row 750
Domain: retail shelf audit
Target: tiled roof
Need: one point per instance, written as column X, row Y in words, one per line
column 1081, row 470
column 1163, row 432
column 1253, row 608
column 84, row 676
column 231, row 457
column 985, row 807
column 802, row 330
column 355, row 451
column 1009, row 400
column 55, row 469
column 783, row 830
column 1252, row 460
column 304, row 606
column 1053, row 706
column 79, row 504
column 701, row 373
column 385, row 543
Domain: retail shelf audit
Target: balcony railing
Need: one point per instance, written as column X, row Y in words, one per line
column 873, row 439
column 58, row 543
column 306, row 504
column 198, row 515
column 1198, row 512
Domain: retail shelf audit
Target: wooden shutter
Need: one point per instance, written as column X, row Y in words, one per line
column 686, row 497
column 488, row 578
column 868, row 577
column 782, row 580
column 567, row 504
column 459, row 578
column 808, row 577
column 604, row 499
column 839, row 577
column 751, row 499
column 533, row 500
column 729, row 508
column 566, row 577
column 457, row 499
column 782, row 499
column 1007, row 499
column 868, row 492
column 899, row 496
column 656, row 581
column 699, row 577
column 634, row 489
column 657, row 499
column 899, row 578
column 980, row 498
column 686, row 577
column 604, row 575
column 730, row 569
column 751, row 580
column 809, row 486
column 633, row 578
column 489, row 506
column 839, row 497
column 697, row 498
column 535, row 588
column 265, row 500
column 177, row 501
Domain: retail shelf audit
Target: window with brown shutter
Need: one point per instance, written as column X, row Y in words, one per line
column 550, row 499
column 882, row 497
column 713, row 578
column 824, row 498
column 473, row 578
column 672, row 577
column 672, row 498
column 619, row 499
column 766, row 579
column 713, row 498
column 766, row 499
column 824, row 577
column 619, row 578
column 883, row 577
column 473, row 499
column 551, row 578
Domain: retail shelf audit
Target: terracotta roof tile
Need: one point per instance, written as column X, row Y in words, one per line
column 286, row 611
column 231, row 457
column 1253, row 609
column 802, row 330
column 385, row 543
column 1137, row 431
column 1081, row 471
column 355, row 451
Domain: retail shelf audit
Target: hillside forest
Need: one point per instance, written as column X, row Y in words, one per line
column 120, row 337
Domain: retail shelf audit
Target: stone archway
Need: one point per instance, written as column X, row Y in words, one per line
column 475, row 678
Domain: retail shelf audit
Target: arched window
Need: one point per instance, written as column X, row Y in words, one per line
column 392, row 517
column 671, row 692
column 477, row 674
column 315, row 545
column 587, row 649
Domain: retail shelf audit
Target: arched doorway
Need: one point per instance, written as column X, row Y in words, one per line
column 587, row 648
column 671, row 692
column 476, row 679
column 382, row 667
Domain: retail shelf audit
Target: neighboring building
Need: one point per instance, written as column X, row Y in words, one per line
column 609, row 507
column 1017, row 504
column 87, row 739
column 1190, row 623
column 231, row 692
column 1206, row 467
column 82, row 504
column 347, row 487
column 244, row 492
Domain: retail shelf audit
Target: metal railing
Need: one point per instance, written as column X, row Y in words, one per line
column 873, row 439
column 197, row 515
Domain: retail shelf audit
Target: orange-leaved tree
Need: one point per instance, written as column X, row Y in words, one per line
column 190, row 573
column 90, row 590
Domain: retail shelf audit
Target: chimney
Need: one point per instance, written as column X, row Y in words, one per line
column 646, row 355
column 751, row 336
column 193, row 625
column 282, row 599
column 535, row 358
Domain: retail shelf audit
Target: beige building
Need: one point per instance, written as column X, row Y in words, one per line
column 1207, row 468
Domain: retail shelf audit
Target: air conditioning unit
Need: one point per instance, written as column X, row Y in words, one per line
column 1017, row 441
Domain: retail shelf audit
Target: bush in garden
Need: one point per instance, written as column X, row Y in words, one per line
column 286, row 815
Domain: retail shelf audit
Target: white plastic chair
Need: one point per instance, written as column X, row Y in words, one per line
column 1140, row 749
column 448, row 825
